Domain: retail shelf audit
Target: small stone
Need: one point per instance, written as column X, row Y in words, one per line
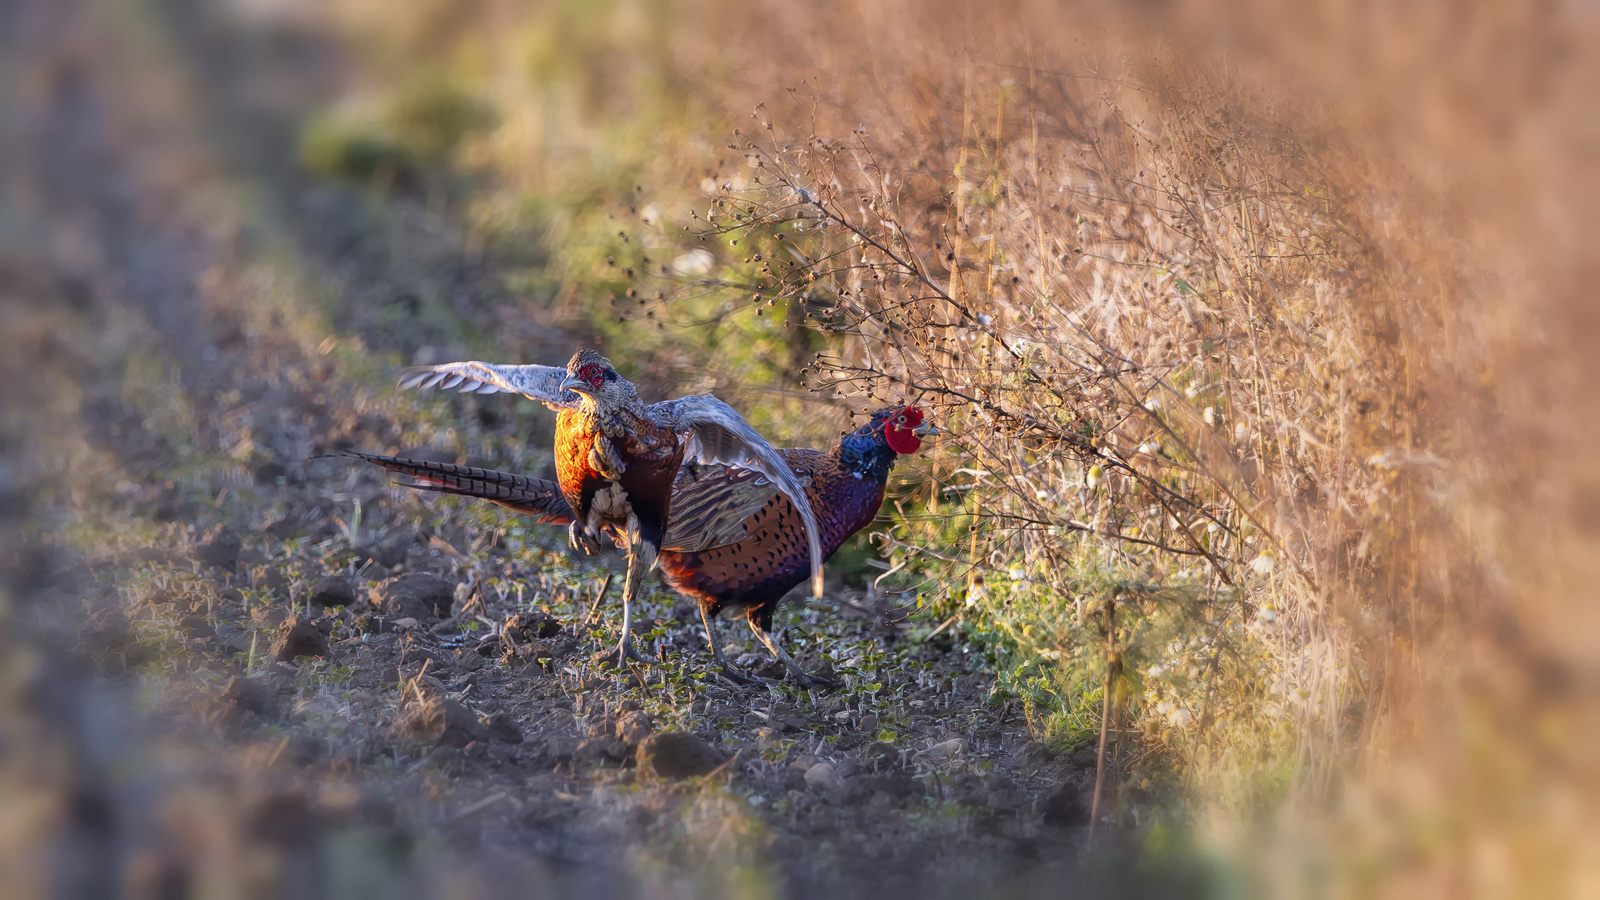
column 470, row 660
column 332, row 590
column 942, row 751
column 677, row 754
column 419, row 596
column 443, row 721
column 298, row 637
column 823, row 777
column 869, row 723
column 633, row 728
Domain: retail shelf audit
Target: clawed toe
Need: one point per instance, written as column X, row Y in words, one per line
column 578, row 539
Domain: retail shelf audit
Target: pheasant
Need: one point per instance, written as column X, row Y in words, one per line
column 732, row 539
column 617, row 458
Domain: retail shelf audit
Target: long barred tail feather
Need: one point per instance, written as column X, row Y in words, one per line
column 533, row 497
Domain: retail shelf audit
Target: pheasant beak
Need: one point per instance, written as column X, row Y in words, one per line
column 574, row 383
column 926, row 429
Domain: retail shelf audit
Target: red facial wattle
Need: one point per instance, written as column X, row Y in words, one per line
column 593, row 374
column 900, row 431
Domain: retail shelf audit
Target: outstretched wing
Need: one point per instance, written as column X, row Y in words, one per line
column 715, row 433
column 710, row 505
column 541, row 383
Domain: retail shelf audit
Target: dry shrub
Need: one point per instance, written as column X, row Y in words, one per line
column 1155, row 327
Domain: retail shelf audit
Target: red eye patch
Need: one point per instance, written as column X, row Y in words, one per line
column 899, row 431
column 592, row 374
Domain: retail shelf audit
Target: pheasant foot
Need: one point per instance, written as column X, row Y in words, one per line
column 578, row 538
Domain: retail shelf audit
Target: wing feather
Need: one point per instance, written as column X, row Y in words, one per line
column 711, row 503
column 716, row 433
column 541, row 383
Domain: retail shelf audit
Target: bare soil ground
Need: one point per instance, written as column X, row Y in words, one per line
column 290, row 678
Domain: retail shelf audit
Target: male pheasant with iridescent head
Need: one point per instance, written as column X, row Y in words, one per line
column 617, row 458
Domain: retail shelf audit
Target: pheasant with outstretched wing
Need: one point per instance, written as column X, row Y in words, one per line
column 617, row 458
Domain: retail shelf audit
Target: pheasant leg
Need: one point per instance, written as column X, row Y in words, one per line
column 805, row 678
column 728, row 671
column 641, row 558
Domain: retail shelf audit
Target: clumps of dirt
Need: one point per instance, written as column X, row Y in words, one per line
column 677, row 754
column 599, row 750
column 535, row 638
column 531, row 625
column 299, row 637
column 332, row 590
column 258, row 695
column 419, row 597
column 220, row 548
column 441, row 720
column 633, row 728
